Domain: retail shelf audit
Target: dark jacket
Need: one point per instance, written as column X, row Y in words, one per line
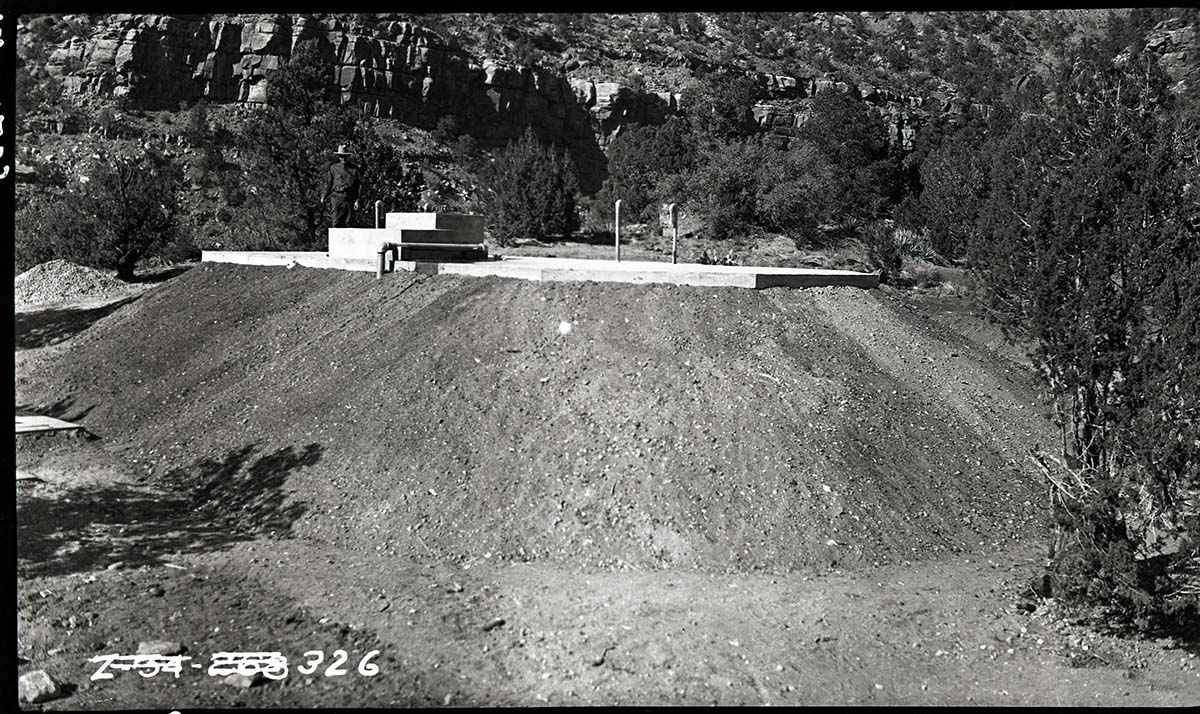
column 342, row 179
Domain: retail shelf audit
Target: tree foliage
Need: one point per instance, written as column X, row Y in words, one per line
column 638, row 159
column 286, row 147
column 123, row 209
column 745, row 187
column 1089, row 238
column 529, row 191
column 953, row 181
column 719, row 105
column 853, row 138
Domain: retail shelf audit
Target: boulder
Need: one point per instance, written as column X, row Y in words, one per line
column 162, row 648
column 38, row 686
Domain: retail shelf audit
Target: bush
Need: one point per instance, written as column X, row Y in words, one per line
column 133, row 202
column 124, row 212
column 385, row 175
column 853, row 138
column 915, row 244
column 718, row 106
column 883, row 253
column 909, row 213
column 286, row 148
column 529, row 191
column 48, row 227
column 447, row 129
column 954, row 183
column 1089, row 240
column 744, row 187
column 638, row 160
column 465, row 150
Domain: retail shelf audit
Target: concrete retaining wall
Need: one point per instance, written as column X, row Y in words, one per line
column 574, row 270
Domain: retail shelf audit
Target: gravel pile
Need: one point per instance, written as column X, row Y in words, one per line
column 717, row 429
column 60, row 280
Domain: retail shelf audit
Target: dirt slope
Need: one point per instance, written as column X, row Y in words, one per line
column 720, row 429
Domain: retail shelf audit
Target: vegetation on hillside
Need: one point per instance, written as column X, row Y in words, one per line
column 1083, row 225
column 529, row 191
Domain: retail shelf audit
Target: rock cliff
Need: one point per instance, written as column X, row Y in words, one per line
column 404, row 71
column 399, row 70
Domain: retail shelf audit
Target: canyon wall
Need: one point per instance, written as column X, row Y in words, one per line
column 404, row 71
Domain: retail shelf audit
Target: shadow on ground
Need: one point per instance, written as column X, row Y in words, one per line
column 160, row 275
column 40, row 328
column 64, row 409
column 206, row 507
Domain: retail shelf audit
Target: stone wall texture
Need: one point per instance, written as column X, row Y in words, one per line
column 406, row 72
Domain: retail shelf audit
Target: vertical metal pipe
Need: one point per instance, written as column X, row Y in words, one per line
column 382, row 252
column 673, row 211
column 617, row 230
column 377, row 205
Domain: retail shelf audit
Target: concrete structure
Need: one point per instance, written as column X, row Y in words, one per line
column 572, row 269
column 35, row 424
column 413, row 235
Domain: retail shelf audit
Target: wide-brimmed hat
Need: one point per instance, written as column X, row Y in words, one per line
column 343, row 150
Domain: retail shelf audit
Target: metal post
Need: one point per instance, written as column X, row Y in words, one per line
column 377, row 205
column 618, row 230
column 673, row 210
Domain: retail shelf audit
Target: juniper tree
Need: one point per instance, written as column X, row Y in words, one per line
column 1090, row 238
column 529, row 190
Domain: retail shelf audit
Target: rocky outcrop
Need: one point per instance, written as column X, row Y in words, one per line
column 404, row 71
column 1177, row 45
column 902, row 113
column 393, row 69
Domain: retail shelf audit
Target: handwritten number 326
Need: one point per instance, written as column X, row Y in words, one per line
column 366, row 667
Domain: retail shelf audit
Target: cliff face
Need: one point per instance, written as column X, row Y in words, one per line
column 403, row 71
column 407, row 72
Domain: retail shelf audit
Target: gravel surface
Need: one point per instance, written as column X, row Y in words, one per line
column 59, row 281
column 302, row 461
column 667, row 427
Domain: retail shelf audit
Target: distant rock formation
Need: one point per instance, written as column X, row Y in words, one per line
column 408, row 72
column 400, row 70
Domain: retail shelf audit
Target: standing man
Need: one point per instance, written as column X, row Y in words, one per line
column 341, row 188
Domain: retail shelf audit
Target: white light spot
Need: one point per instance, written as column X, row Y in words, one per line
column 564, row 327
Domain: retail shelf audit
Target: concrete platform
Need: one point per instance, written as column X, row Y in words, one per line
column 283, row 259
column 467, row 224
column 35, row 424
column 577, row 270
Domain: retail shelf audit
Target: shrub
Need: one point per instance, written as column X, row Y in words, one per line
column 124, row 212
column 47, row 227
column 909, row 213
column 742, row 187
column 529, row 191
column 385, row 175
column 286, row 148
column 915, row 244
column 447, row 129
column 718, row 106
column 638, row 159
column 883, row 253
column 466, row 150
column 954, row 183
column 133, row 202
column 853, row 138
column 1089, row 239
